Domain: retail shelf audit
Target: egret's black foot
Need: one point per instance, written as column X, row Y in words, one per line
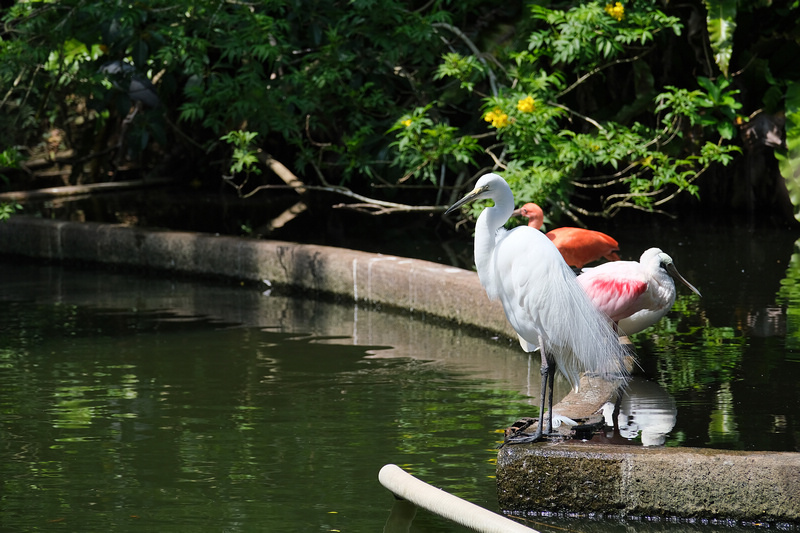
column 516, row 433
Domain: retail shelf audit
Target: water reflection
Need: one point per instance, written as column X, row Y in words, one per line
column 132, row 403
column 645, row 411
column 719, row 355
column 789, row 297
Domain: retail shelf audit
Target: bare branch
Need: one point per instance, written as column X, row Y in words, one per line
column 366, row 204
column 613, row 179
column 498, row 160
column 591, row 121
column 600, row 69
column 282, row 171
column 308, row 134
column 413, row 171
column 373, row 209
column 678, row 191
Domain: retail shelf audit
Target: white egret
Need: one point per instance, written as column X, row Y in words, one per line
column 634, row 294
column 542, row 301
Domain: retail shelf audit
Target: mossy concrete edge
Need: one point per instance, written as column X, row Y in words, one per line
column 572, row 476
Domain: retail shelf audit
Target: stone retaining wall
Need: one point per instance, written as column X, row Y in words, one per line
column 412, row 285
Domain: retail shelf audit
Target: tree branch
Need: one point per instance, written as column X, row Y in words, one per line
column 600, row 69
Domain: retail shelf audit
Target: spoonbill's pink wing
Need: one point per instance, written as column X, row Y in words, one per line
column 615, row 288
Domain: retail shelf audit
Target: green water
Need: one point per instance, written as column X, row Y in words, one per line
column 132, row 403
column 172, row 406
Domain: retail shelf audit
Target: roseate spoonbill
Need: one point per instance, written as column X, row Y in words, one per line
column 542, row 301
column 578, row 246
column 635, row 295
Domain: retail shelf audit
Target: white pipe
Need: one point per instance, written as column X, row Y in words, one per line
column 444, row 504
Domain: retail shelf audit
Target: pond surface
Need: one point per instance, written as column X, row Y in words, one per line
column 134, row 403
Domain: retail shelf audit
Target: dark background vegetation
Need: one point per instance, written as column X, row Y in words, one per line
column 387, row 100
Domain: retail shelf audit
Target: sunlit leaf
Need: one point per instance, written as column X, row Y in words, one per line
column 721, row 24
column 789, row 158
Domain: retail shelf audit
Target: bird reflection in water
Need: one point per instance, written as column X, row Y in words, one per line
column 644, row 410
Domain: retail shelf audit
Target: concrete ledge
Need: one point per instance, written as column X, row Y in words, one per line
column 408, row 284
column 573, row 477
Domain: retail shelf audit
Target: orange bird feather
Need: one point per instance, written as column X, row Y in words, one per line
column 578, row 246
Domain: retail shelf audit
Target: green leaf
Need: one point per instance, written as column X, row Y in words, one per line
column 726, row 130
column 789, row 158
column 721, row 23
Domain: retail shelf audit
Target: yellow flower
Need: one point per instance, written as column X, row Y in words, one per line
column 616, row 11
column 406, row 122
column 526, row 104
column 496, row 117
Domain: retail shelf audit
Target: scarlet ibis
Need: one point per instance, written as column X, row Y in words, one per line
column 541, row 299
column 634, row 294
column 578, row 246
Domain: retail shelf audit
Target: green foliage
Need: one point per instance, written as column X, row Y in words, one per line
column 576, row 104
column 7, row 209
column 715, row 107
column 9, row 159
column 426, row 146
column 319, row 82
column 467, row 69
column 789, row 157
column 642, row 154
column 720, row 105
column 243, row 160
column 587, row 34
column 244, row 157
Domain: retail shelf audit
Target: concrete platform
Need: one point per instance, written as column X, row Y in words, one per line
column 565, row 477
column 574, row 477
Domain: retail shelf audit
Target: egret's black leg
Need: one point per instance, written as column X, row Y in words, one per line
column 545, row 370
column 519, row 438
column 551, row 374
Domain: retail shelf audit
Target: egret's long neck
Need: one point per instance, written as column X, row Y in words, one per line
column 489, row 221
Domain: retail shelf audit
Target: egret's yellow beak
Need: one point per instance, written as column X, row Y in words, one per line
column 474, row 194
